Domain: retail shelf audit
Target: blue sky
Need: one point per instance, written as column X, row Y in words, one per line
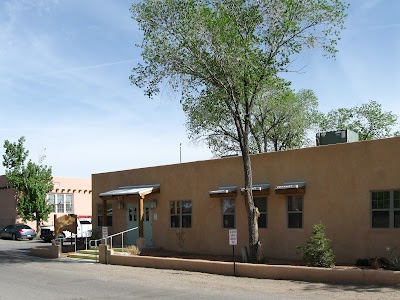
column 64, row 68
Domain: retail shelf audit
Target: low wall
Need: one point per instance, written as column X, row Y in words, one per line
column 52, row 251
column 310, row 274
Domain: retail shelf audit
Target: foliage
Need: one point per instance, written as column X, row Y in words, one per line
column 393, row 258
column 133, row 250
column 280, row 121
column 317, row 252
column 368, row 119
column 30, row 180
column 222, row 54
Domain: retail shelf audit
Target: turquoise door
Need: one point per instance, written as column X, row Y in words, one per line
column 148, row 224
column 132, row 220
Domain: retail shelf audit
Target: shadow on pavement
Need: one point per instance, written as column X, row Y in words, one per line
column 21, row 254
column 331, row 287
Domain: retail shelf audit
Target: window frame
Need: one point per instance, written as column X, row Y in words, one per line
column 100, row 214
column 295, row 212
column 228, row 214
column 259, row 198
column 59, row 200
column 391, row 209
column 178, row 212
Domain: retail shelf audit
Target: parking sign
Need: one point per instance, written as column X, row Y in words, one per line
column 232, row 237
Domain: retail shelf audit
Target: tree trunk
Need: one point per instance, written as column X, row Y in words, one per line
column 252, row 211
column 38, row 227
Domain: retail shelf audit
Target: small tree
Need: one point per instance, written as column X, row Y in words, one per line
column 220, row 54
column 30, row 180
column 318, row 252
column 368, row 119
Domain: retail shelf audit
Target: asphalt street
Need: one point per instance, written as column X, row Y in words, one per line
column 25, row 277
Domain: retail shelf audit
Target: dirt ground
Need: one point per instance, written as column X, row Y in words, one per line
column 226, row 258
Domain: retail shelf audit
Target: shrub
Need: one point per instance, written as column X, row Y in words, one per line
column 393, row 258
column 180, row 234
column 133, row 250
column 317, row 252
column 363, row 262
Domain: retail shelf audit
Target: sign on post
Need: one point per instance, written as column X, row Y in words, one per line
column 104, row 232
column 232, row 237
column 233, row 242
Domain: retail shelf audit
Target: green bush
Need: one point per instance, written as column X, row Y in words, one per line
column 317, row 252
column 393, row 258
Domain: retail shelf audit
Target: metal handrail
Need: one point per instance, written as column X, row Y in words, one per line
column 122, row 238
column 96, row 242
column 74, row 235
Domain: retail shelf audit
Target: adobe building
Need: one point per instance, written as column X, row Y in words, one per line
column 70, row 195
column 352, row 188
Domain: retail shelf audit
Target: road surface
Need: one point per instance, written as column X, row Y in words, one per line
column 25, row 277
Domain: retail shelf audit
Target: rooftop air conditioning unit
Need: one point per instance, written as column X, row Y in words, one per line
column 336, row 137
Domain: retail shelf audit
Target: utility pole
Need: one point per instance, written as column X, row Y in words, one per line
column 180, row 152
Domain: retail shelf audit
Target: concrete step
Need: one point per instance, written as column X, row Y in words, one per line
column 84, row 254
column 91, row 253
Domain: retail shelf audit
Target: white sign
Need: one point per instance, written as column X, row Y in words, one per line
column 232, row 237
column 104, row 232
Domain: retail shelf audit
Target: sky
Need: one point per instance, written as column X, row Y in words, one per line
column 64, row 83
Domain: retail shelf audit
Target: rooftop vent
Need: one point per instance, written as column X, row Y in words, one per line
column 336, row 137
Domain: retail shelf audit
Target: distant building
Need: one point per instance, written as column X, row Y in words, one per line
column 70, row 195
column 353, row 188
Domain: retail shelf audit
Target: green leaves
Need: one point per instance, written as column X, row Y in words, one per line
column 15, row 155
column 317, row 252
column 30, row 180
column 221, row 55
column 368, row 119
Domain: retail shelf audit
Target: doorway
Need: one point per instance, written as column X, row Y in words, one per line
column 132, row 220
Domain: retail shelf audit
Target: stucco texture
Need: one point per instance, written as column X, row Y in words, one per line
column 339, row 179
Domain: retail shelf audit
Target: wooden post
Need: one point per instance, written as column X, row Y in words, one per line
column 141, row 217
column 105, row 212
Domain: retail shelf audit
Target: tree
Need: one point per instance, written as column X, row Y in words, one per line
column 318, row 252
column 221, row 54
column 30, row 180
column 368, row 119
column 280, row 121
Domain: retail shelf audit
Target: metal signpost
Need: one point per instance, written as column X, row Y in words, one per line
column 104, row 235
column 233, row 242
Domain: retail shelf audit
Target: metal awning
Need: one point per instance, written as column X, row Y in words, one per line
column 224, row 191
column 140, row 190
column 298, row 187
column 258, row 189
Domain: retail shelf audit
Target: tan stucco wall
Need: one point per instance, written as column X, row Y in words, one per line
column 310, row 274
column 80, row 188
column 338, row 179
column 8, row 212
column 52, row 251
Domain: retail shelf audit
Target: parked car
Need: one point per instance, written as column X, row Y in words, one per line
column 18, row 231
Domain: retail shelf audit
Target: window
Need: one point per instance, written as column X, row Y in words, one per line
column 132, row 214
column 228, row 213
column 295, row 211
column 262, row 205
column 385, row 209
column 100, row 214
column 51, row 199
column 60, row 203
column 68, row 203
column 180, row 214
